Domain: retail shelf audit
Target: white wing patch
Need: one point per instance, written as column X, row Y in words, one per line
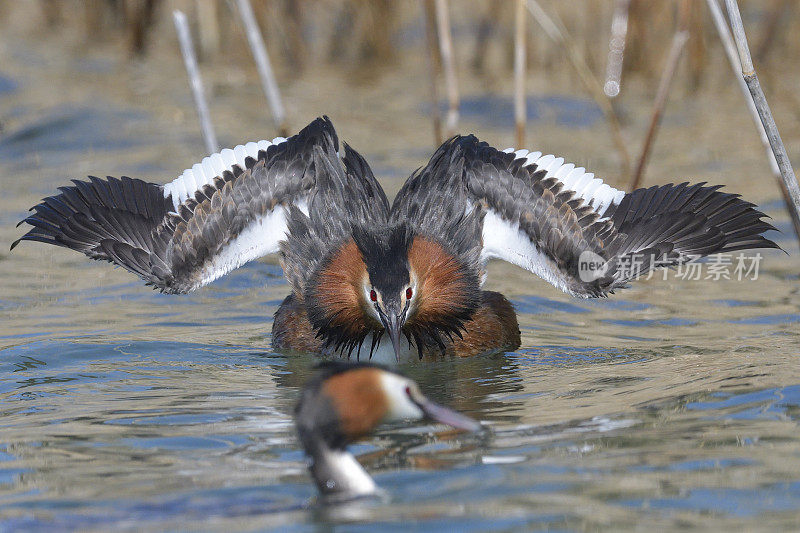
column 592, row 190
column 262, row 237
column 506, row 241
column 204, row 172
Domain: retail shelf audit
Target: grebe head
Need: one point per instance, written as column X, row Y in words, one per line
column 346, row 401
column 389, row 288
column 388, row 280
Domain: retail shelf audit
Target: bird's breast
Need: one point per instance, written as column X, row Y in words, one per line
column 383, row 353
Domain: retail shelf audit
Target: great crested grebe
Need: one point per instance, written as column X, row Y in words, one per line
column 345, row 402
column 364, row 272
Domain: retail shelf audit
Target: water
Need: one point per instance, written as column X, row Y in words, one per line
column 671, row 405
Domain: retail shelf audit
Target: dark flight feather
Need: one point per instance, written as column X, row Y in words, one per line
column 675, row 222
column 124, row 220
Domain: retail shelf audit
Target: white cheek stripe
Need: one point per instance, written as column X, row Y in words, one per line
column 204, row 172
column 592, row 190
column 400, row 405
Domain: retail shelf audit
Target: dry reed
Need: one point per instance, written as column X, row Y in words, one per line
column 196, row 83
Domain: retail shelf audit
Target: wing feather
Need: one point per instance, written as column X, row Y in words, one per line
column 228, row 209
column 543, row 214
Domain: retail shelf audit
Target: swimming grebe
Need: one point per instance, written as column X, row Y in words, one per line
column 364, row 272
column 345, row 402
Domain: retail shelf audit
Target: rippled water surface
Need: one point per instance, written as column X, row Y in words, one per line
column 673, row 404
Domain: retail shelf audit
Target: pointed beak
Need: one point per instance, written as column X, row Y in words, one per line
column 394, row 325
column 442, row 414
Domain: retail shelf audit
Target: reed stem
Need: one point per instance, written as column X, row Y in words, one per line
column 616, row 48
column 557, row 33
column 670, row 66
column 446, row 51
column 733, row 58
column 196, row 83
column 520, row 113
column 259, row 50
column 760, row 101
column 433, row 66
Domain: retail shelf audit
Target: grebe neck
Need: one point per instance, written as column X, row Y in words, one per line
column 338, row 473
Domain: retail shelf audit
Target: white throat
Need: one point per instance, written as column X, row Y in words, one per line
column 383, row 353
column 338, row 473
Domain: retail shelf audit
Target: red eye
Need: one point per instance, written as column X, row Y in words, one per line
column 373, row 295
column 409, row 293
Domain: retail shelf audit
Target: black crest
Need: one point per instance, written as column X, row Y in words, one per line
column 385, row 252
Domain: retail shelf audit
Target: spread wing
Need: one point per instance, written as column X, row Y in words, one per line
column 227, row 210
column 568, row 227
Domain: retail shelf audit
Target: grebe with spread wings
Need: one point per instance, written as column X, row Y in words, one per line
column 370, row 279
